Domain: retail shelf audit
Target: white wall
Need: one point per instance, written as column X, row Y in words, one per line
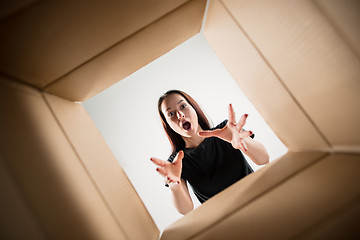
column 126, row 115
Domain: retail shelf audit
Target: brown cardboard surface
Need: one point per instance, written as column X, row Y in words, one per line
column 51, row 38
column 9, row 8
column 260, row 82
column 340, row 224
column 53, row 182
column 345, row 18
column 312, row 59
column 305, row 199
column 108, row 176
column 131, row 54
column 241, row 194
column 297, row 61
column 15, row 213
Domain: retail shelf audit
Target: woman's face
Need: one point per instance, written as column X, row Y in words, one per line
column 180, row 115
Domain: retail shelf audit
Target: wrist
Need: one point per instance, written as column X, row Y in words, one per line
column 174, row 186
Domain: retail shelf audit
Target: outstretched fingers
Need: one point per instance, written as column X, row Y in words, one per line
column 158, row 162
column 162, row 171
column 245, row 134
column 171, row 171
column 241, row 122
column 161, row 165
column 210, row 133
column 243, row 146
column 232, row 118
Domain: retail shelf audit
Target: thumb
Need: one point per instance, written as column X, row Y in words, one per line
column 210, row 133
column 178, row 158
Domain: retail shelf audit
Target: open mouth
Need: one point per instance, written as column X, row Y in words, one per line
column 186, row 126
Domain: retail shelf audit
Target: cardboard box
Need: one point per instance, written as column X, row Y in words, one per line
column 297, row 61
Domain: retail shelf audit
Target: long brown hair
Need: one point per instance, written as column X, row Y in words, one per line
column 176, row 141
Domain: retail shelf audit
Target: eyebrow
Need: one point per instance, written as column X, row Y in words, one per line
column 176, row 104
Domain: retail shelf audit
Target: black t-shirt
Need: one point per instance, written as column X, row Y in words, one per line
column 213, row 166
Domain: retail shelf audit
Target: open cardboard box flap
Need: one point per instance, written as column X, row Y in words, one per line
column 298, row 62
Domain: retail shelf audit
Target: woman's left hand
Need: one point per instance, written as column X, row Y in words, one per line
column 232, row 132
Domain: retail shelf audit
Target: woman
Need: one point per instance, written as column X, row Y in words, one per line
column 209, row 159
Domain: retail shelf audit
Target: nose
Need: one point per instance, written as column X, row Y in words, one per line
column 180, row 115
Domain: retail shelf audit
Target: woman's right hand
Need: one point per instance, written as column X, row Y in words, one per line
column 170, row 171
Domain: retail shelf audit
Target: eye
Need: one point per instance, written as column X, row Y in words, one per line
column 183, row 106
column 170, row 114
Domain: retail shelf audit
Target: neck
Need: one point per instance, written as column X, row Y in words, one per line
column 194, row 141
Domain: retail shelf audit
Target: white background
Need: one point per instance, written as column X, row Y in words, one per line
column 126, row 115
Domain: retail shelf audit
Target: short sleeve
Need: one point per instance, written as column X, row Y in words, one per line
column 171, row 159
column 221, row 125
